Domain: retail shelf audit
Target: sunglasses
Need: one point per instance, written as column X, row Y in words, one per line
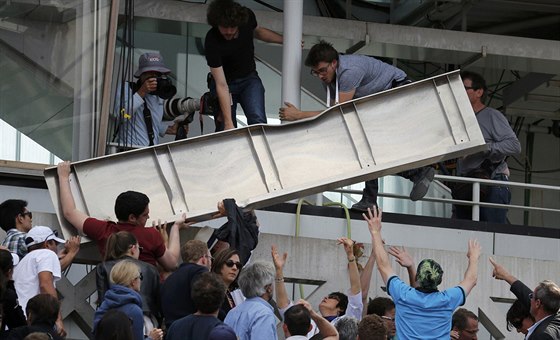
column 231, row 263
column 387, row 318
column 141, row 276
column 27, row 213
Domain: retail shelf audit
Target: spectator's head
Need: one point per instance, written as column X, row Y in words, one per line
column 132, row 207
column 14, row 215
column 475, row 85
column 126, row 273
column 428, row 275
column 519, row 318
column 196, row 251
column 347, row 328
column 7, row 263
column 222, row 332
column 323, row 60
column 372, row 327
column 42, row 309
column 121, row 244
column 465, row 323
column 227, row 265
column 385, row 308
column 40, row 237
column 38, row 336
column 150, row 65
column 297, row 321
column 257, row 279
column 114, row 325
column 227, row 16
column 545, row 300
column 334, row 304
column 207, row 293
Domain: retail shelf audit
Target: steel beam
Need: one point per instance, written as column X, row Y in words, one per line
column 404, row 128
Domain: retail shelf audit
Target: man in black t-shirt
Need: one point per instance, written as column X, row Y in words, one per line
column 207, row 294
column 230, row 55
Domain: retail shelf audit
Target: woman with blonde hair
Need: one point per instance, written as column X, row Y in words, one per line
column 123, row 295
column 124, row 246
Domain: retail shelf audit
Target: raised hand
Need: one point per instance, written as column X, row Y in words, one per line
column 402, row 256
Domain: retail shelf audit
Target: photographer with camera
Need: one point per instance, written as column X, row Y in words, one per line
column 143, row 106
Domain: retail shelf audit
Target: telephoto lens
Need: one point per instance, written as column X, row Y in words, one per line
column 180, row 109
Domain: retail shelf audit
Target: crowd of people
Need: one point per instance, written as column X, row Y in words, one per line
column 150, row 286
column 216, row 292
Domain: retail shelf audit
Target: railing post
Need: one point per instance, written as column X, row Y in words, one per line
column 476, row 200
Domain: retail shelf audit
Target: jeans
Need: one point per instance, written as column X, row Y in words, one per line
column 249, row 93
column 495, row 194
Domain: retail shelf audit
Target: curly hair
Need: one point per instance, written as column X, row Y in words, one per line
column 321, row 52
column 226, row 13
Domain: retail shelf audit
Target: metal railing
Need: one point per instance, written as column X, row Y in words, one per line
column 475, row 203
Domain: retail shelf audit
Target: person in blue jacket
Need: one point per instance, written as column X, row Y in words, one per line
column 124, row 296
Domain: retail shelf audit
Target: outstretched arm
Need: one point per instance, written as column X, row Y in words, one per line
column 353, row 273
column 71, row 214
column 266, row 35
column 373, row 219
column 170, row 258
column 326, row 329
column 471, row 274
column 224, row 97
column 365, row 276
column 71, row 249
column 405, row 260
column 279, row 261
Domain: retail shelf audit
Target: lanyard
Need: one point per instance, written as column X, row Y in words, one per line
column 335, row 91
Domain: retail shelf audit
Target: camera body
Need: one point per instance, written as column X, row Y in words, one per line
column 165, row 88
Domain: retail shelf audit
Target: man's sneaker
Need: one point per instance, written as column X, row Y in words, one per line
column 422, row 183
column 365, row 203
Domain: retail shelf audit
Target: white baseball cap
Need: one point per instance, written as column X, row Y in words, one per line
column 40, row 234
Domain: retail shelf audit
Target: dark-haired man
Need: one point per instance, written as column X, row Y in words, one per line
column 348, row 77
column 42, row 313
column 230, row 54
column 207, row 293
column 132, row 211
column 422, row 312
column 490, row 164
column 372, row 327
column 464, row 325
column 16, row 220
column 385, row 309
column 297, row 323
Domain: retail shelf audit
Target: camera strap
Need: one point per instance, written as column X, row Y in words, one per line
column 149, row 123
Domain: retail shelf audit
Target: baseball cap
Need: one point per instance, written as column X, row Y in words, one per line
column 40, row 234
column 150, row 61
column 222, row 332
column 429, row 274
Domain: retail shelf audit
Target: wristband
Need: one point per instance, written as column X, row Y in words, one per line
column 352, row 260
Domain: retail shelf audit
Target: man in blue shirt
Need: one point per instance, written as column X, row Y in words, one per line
column 422, row 312
column 254, row 318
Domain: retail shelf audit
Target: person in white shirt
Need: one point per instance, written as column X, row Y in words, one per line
column 38, row 271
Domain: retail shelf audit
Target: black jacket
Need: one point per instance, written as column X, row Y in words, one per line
column 240, row 231
column 549, row 329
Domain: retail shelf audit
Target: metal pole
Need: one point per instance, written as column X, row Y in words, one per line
column 106, row 95
column 476, row 199
column 291, row 53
